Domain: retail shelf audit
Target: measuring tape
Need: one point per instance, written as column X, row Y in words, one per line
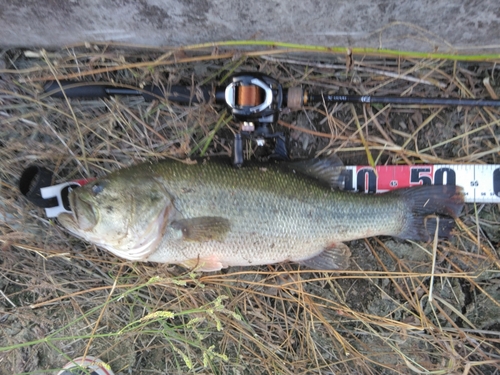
column 481, row 183
column 35, row 185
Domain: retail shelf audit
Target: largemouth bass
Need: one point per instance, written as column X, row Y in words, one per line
column 210, row 215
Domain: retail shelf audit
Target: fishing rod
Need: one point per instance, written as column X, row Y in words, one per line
column 254, row 99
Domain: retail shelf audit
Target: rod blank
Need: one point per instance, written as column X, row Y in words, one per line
column 320, row 98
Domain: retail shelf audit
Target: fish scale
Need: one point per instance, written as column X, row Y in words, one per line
column 273, row 214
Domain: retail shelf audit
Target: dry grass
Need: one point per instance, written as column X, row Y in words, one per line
column 61, row 298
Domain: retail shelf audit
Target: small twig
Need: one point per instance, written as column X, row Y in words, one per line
column 434, row 255
column 80, row 136
column 77, row 159
column 7, row 299
column 486, row 83
column 358, row 69
column 308, row 131
column 96, row 324
column 369, row 156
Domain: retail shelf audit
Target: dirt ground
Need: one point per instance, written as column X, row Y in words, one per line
column 389, row 313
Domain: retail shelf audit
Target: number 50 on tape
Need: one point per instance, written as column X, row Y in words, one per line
column 481, row 183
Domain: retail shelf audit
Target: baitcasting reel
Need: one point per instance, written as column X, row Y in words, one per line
column 254, row 99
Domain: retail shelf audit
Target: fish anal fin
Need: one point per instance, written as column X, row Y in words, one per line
column 202, row 229
column 334, row 257
column 204, row 264
column 328, row 170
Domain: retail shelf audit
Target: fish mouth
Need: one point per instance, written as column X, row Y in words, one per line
column 84, row 214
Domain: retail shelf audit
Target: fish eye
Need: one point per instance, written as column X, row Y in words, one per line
column 97, row 188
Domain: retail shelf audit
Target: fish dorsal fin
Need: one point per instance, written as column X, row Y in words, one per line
column 327, row 170
column 202, row 229
column 334, row 257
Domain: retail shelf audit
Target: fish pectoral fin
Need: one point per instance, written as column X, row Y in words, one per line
column 329, row 170
column 334, row 257
column 207, row 264
column 202, row 229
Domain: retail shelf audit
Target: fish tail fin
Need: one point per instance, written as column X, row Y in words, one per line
column 430, row 206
